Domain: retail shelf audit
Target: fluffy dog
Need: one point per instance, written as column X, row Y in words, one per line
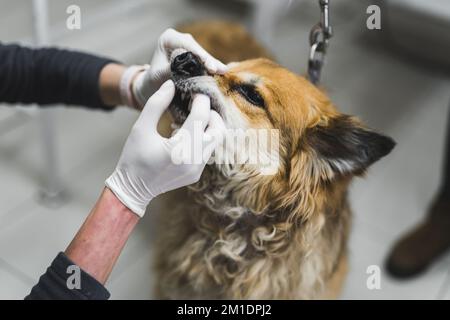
column 239, row 234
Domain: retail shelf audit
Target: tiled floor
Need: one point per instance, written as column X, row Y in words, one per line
column 406, row 101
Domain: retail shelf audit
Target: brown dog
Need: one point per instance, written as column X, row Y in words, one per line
column 241, row 234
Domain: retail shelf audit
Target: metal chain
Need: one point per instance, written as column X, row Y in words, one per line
column 318, row 40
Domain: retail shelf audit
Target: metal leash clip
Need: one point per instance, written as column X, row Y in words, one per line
column 318, row 40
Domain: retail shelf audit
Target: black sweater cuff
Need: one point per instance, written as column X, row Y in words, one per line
column 53, row 285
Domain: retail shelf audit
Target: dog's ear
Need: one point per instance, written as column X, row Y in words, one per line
column 346, row 146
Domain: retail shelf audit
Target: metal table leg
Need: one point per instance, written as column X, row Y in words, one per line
column 52, row 192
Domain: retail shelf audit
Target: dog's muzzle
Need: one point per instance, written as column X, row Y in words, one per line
column 187, row 65
column 184, row 65
column 187, row 69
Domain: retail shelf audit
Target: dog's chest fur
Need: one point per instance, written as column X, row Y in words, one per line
column 213, row 247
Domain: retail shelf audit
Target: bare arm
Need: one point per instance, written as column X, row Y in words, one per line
column 109, row 83
column 100, row 240
column 112, row 91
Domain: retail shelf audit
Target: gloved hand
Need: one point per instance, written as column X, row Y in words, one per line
column 151, row 164
column 140, row 82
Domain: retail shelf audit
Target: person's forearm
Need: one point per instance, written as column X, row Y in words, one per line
column 50, row 76
column 109, row 84
column 97, row 245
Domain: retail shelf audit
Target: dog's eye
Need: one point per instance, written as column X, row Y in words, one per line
column 250, row 93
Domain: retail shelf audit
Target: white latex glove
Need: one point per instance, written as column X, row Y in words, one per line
column 140, row 82
column 149, row 165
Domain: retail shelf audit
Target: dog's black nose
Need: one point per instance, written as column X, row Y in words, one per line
column 187, row 65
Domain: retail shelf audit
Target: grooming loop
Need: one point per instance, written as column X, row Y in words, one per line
column 318, row 41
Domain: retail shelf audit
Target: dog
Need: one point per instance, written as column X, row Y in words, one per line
column 240, row 234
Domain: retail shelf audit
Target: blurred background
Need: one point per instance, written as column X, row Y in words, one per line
column 53, row 162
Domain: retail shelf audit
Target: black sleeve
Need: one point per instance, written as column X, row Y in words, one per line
column 52, row 284
column 49, row 75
